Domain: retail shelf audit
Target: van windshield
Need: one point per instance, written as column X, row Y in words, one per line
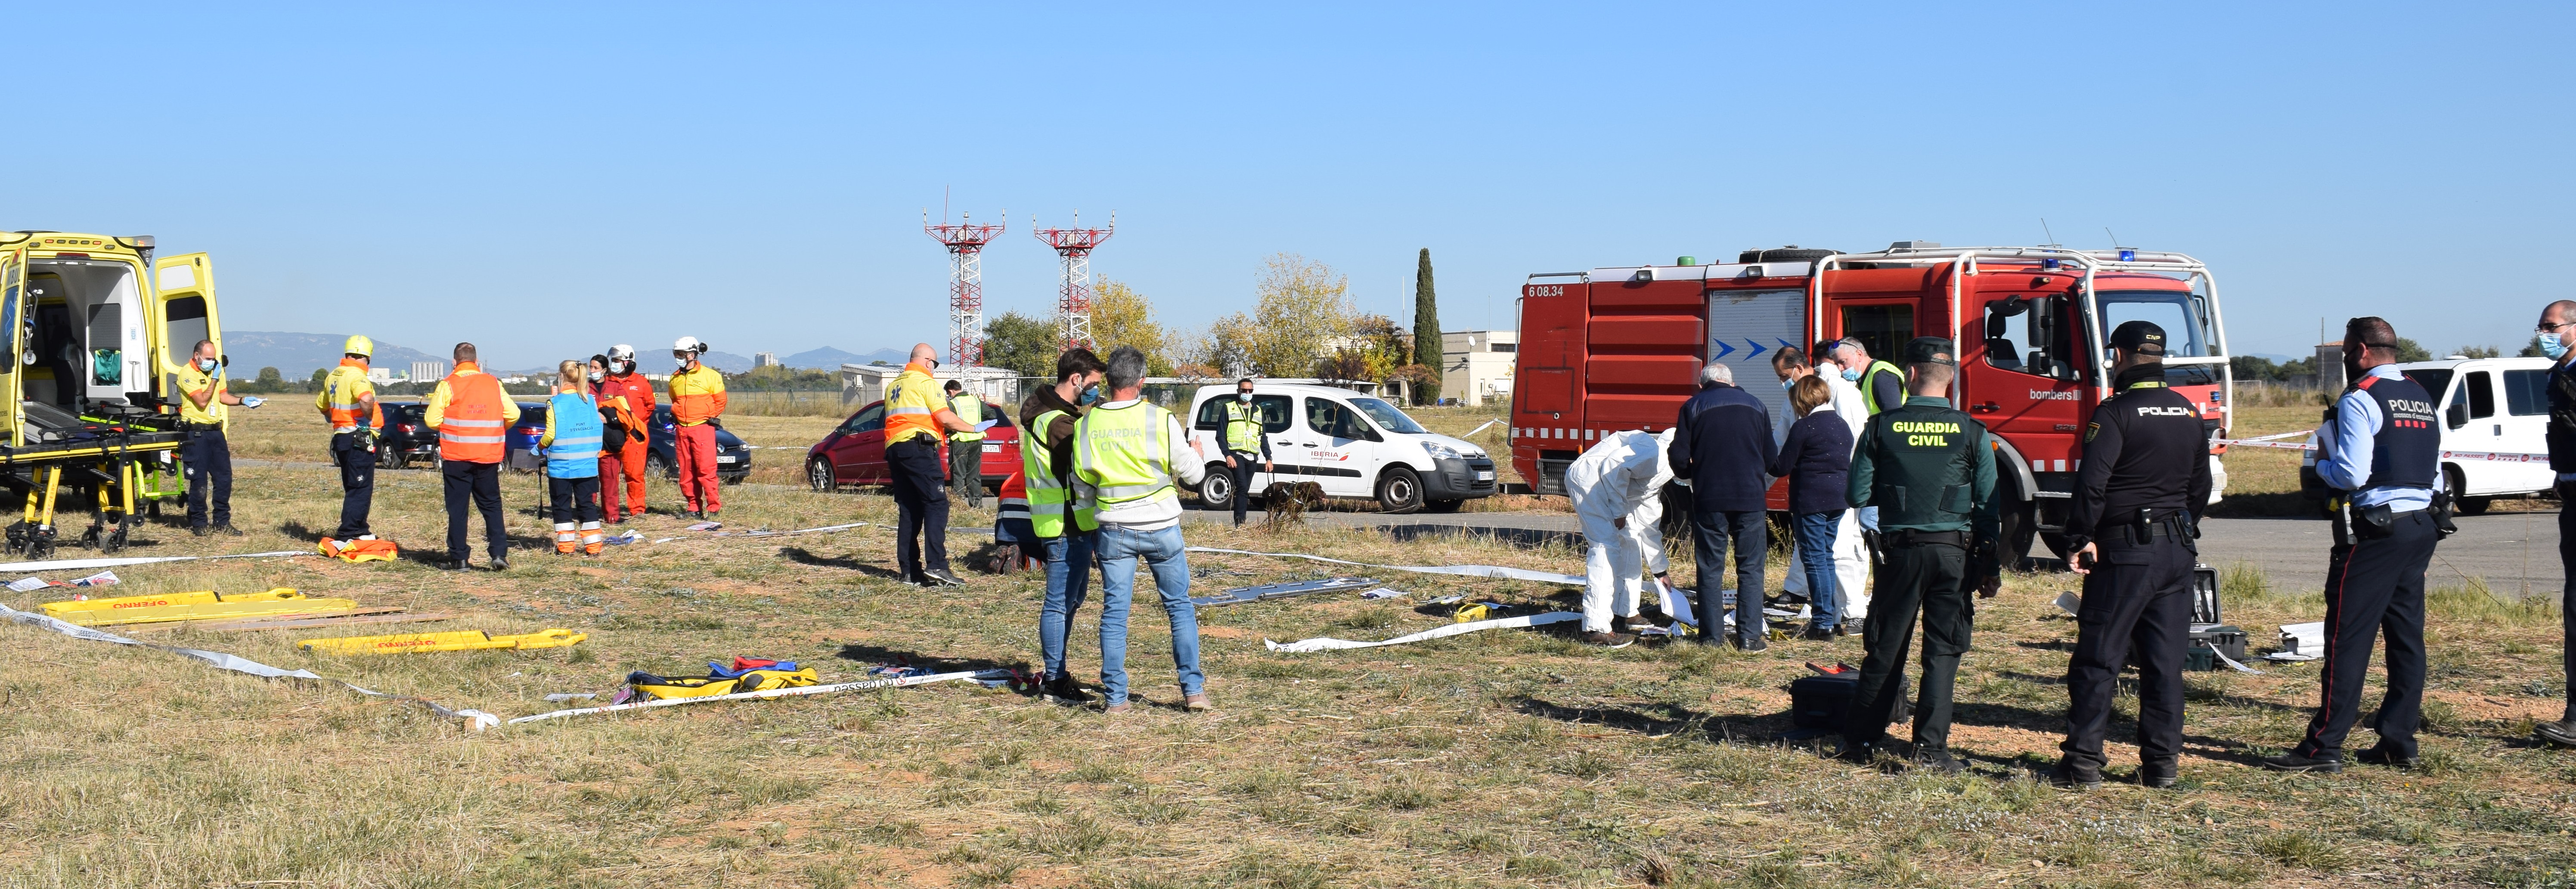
column 1386, row 416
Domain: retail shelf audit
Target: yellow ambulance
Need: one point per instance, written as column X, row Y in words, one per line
column 94, row 325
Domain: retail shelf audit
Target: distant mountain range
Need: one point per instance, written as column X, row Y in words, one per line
column 297, row 355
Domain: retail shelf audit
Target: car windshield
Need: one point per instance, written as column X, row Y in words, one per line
column 2433, row 379
column 1386, row 416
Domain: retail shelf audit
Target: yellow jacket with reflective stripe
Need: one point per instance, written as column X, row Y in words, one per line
column 338, row 399
column 1049, row 495
column 910, row 401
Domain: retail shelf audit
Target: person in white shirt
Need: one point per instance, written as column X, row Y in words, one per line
column 1851, row 552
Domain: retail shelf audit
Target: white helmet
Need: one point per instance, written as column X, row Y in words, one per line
column 689, row 344
column 621, row 352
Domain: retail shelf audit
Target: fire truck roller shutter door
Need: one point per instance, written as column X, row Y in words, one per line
column 1745, row 327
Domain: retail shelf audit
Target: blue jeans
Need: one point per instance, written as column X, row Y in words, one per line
column 1068, row 582
column 1162, row 552
column 1816, row 554
column 1712, row 533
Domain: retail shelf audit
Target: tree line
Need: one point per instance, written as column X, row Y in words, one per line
column 2249, row 367
column 1301, row 324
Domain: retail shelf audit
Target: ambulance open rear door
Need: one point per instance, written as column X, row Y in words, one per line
column 183, row 312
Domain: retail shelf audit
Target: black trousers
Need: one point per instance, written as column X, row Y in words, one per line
column 574, row 499
column 1245, row 465
column 482, row 483
column 921, row 506
column 1711, row 533
column 357, row 458
column 2567, row 592
column 1932, row 579
column 966, row 471
column 2138, row 599
column 2374, row 588
column 210, row 470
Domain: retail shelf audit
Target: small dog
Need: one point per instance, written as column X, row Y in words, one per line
column 1285, row 503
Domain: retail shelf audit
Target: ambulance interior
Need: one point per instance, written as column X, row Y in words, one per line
column 79, row 318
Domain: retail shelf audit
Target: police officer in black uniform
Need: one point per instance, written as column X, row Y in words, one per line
column 1929, row 469
column 2136, row 510
column 2379, row 454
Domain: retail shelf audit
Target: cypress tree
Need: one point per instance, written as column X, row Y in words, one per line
column 1426, row 326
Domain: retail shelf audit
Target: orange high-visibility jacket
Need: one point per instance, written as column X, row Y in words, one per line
column 697, row 395
column 472, row 415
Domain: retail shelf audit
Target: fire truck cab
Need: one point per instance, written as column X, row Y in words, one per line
column 1620, row 347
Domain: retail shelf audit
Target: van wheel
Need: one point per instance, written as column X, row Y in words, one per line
column 1216, row 491
column 2460, row 482
column 1399, row 491
column 1443, row 505
column 818, row 475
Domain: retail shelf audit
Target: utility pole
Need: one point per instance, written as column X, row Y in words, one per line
column 1073, row 294
column 965, row 243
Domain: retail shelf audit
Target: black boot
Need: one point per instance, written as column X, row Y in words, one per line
column 1064, row 688
column 2072, row 775
column 2293, row 762
column 2160, row 773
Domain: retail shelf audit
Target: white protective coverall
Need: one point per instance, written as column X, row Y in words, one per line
column 1622, row 477
column 1851, row 553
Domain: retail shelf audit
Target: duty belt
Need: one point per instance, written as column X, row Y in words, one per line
column 1920, row 538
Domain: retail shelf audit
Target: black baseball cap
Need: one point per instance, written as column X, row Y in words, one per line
column 2142, row 337
column 1930, row 350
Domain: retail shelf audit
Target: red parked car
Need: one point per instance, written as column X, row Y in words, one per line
column 854, row 454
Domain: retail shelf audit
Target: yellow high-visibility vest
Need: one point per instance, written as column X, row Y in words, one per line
column 1048, row 495
column 1122, row 452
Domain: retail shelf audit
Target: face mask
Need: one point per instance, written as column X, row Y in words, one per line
column 1852, row 375
column 1090, row 394
column 1790, row 383
column 682, row 362
column 2554, row 345
column 1245, row 397
column 206, row 364
column 595, row 375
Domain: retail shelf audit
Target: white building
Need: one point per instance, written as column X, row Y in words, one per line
column 864, row 383
column 429, row 370
column 763, row 359
column 380, row 375
column 1476, row 365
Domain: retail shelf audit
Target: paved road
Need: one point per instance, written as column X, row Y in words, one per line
column 2514, row 552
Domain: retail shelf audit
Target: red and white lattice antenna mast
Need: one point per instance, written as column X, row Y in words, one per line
column 965, row 244
column 1073, row 296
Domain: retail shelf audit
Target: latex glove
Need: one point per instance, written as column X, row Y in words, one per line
column 253, row 401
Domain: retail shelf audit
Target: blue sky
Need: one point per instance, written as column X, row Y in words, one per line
column 548, row 179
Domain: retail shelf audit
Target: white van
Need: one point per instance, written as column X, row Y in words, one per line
column 1353, row 445
column 2497, row 406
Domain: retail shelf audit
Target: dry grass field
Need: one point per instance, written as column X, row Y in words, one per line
column 1513, row 758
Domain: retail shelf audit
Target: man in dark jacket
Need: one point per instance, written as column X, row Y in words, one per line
column 2557, row 330
column 1066, row 536
column 1722, row 444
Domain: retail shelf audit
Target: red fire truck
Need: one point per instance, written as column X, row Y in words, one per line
column 1620, row 348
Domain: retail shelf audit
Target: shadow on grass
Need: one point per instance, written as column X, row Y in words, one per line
column 874, row 655
column 803, row 556
column 1666, row 719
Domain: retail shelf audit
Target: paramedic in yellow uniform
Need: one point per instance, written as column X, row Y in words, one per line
column 202, row 403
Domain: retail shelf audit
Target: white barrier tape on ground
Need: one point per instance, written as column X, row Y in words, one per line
column 1496, row 572
column 69, row 564
column 2241, row 668
column 822, row 530
column 1302, row 646
column 476, row 720
column 2489, row 456
column 774, row 693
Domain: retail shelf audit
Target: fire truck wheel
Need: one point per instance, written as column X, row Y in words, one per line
column 2019, row 526
column 2056, row 543
column 1399, row 491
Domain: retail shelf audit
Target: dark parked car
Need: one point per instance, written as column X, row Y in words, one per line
column 406, row 440
column 733, row 457
column 854, row 452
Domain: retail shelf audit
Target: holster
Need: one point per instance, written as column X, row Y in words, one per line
column 2443, row 527
column 1877, row 552
column 2354, row 524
